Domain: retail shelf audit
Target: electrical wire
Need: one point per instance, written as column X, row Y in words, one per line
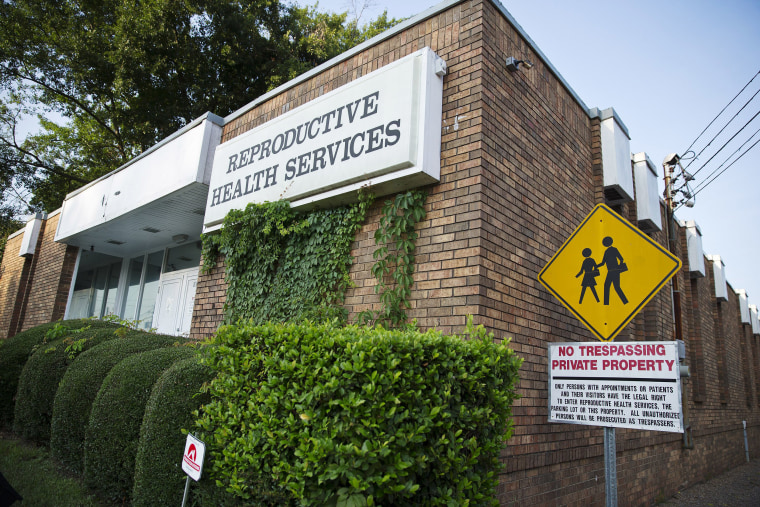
column 719, row 133
column 724, row 144
column 703, row 183
column 727, row 167
column 720, row 113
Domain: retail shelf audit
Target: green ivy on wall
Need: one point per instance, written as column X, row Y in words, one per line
column 284, row 265
column 397, row 223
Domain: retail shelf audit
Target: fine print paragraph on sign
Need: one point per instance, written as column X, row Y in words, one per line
column 623, row 385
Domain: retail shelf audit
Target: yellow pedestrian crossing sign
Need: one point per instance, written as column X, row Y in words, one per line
column 606, row 272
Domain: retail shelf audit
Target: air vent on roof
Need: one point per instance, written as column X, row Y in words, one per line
column 150, row 229
column 114, row 242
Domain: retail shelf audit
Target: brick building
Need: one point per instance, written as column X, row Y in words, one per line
column 517, row 162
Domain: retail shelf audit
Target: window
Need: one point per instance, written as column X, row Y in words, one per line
column 183, row 257
column 150, row 289
column 96, row 286
column 101, row 288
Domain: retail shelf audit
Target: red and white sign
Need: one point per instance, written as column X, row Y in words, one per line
column 192, row 459
column 619, row 384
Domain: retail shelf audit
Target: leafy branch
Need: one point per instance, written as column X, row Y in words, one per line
column 397, row 223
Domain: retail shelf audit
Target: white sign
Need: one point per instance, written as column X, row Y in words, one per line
column 192, row 459
column 378, row 129
column 622, row 385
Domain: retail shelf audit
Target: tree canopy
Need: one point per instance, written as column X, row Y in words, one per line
column 107, row 79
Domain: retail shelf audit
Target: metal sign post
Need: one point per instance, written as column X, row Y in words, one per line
column 610, row 467
column 187, row 488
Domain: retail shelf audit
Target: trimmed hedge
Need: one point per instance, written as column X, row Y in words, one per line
column 14, row 353
column 359, row 416
column 159, row 479
column 117, row 413
column 80, row 386
column 41, row 375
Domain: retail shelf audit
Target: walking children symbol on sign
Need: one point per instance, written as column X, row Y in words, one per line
column 633, row 265
column 614, row 268
column 590, row 270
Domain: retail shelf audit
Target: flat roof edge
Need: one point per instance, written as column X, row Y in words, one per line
column 211, row 117
column 606, row 114
column 408, row 23
column 540, row 54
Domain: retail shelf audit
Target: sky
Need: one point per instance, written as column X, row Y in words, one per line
column 668, row 68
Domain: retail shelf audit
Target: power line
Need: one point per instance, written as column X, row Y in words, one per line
column 719, row 133
column 727, row 167
column 720, row 113
column 726, row 143
column 703, row 183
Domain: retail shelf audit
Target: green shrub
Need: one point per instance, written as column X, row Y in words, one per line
column 80, row 385
column 41, row 375
column 359, row 416
column 14, row 352
column 159, row 479
column 117, row 413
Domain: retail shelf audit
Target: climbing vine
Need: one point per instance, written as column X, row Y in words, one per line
column 396, row 240
column 284, row 265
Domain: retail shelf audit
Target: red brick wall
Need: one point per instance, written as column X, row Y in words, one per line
column 521, row 166
column 208, row 307
column 53, row 271
column 35, row 289
column 447, row 254
column 14, row 273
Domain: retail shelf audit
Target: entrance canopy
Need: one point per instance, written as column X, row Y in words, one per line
column 156, row 199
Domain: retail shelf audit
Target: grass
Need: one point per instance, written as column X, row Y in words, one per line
column 38, row 477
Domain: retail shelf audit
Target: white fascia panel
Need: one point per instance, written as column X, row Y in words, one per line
column 694, row 247
column 616, row 159
column 172, row 165
column 754, row 318
column 168, row 169
column 743, row 306
column 84, row 209
column 719, row 275
column 647, row 194
column 31, row 234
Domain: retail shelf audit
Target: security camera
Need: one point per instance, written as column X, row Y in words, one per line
column 671, row 159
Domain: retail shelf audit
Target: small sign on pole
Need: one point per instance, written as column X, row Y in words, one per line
column 192, row 461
